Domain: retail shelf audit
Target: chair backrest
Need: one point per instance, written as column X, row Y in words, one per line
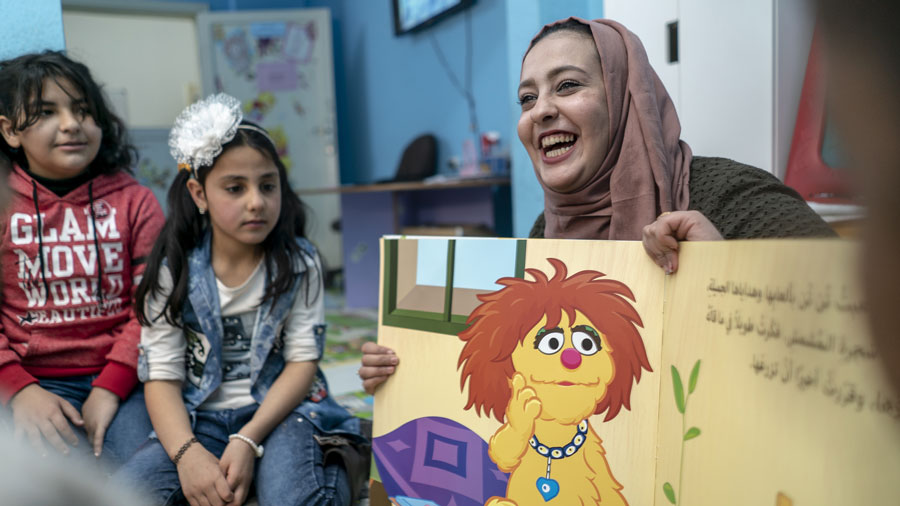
column 419, row 159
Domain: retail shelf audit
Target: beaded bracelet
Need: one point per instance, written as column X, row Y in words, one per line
column 257, row 448
column 183, row 449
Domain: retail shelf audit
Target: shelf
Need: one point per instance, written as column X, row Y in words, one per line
column 409, row 186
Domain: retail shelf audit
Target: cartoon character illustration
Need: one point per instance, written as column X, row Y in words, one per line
column 237, row 50
column 257, row 108
column 543, row 356
column 281, row 145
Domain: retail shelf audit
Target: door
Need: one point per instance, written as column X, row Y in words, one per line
column 727, row 82
column 722, row 82
column 279, row 65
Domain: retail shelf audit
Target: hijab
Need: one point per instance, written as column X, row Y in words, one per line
column 647, row 167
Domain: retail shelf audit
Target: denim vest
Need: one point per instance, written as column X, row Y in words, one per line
column 203, row 313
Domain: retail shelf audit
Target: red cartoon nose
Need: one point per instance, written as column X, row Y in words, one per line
column 571, row 358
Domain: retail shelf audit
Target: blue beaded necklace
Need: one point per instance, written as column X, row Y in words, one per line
column 547, row 487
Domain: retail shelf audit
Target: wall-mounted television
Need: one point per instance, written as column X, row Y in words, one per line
column 414, row 15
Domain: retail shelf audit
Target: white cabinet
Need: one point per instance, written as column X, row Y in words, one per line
column 739, row 72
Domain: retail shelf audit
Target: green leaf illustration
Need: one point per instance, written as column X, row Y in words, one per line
column 679, row 390
column 691, row 433
column 692, row 383
column 670, row 492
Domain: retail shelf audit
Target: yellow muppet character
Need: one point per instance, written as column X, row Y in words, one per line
column 563, row 349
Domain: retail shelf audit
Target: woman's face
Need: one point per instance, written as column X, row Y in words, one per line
column 565, row 119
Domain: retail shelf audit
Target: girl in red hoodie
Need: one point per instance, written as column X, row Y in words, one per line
column 72, row 247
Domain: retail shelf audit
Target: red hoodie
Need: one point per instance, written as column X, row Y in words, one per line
column 55, row 320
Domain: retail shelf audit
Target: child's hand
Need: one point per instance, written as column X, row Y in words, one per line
column 202, row 481
column 37, row 412
column 98, row 411
column 237, row 463
column 378, row 363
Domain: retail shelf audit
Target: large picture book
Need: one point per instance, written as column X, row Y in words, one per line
column 576, row 372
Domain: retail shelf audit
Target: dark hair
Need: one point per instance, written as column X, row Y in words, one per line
column 21, row 86
column 5, row 164
column 185, row 227
column 569, row 25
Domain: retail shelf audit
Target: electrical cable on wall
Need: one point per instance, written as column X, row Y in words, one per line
column 466, row 91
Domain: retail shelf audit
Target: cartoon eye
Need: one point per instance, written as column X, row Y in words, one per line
column 550, row 342
column 586, row 340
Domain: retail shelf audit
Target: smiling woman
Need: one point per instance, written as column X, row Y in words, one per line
column 572, row 92
column 604, row 138
column 626, row 163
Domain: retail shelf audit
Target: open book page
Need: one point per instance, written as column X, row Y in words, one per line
column 528, row 377
column 527, row 381
column 788, row 404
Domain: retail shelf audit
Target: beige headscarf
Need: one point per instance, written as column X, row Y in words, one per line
column 647, row 167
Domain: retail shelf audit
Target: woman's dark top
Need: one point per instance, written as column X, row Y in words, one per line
column 743, row 202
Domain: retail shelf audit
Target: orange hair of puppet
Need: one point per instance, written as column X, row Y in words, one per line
column 499, row 324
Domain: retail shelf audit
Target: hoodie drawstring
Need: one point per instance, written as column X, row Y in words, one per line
column 96, row 244
column 40, row 234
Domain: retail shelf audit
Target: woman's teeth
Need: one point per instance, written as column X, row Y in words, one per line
column 567, row 141
column 558, row 151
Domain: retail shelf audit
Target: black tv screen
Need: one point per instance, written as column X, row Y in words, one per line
column 413, row 15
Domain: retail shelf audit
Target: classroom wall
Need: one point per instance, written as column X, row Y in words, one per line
column 240, row 5
column 148, row 78
column 26, row 27
column 391, row 89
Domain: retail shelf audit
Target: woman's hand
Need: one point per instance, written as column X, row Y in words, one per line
column 98, row 411
column 40, row 414
column 237, row 463
column 661, row 237
column 378, row 363
column 202, row 480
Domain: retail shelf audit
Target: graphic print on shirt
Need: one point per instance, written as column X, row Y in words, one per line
column 195, row 354
column 236, row 346
column 58, row 265
column 317, row 392
column 235, row 349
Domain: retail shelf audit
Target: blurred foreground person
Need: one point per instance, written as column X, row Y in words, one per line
column 862, row 54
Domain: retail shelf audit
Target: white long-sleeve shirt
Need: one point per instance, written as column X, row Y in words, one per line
column 180, row 354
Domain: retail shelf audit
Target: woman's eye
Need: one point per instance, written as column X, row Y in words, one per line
column 567, row 85
column 233, row 189
column 526, row 99
column 585, row 343
column 269, row 188
column 550, row 343
column 46, row 112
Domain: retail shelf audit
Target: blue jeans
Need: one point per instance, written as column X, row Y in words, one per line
column 290, row 472
column 128, row 429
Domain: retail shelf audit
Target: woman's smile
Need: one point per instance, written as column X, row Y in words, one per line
column 557, row 146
